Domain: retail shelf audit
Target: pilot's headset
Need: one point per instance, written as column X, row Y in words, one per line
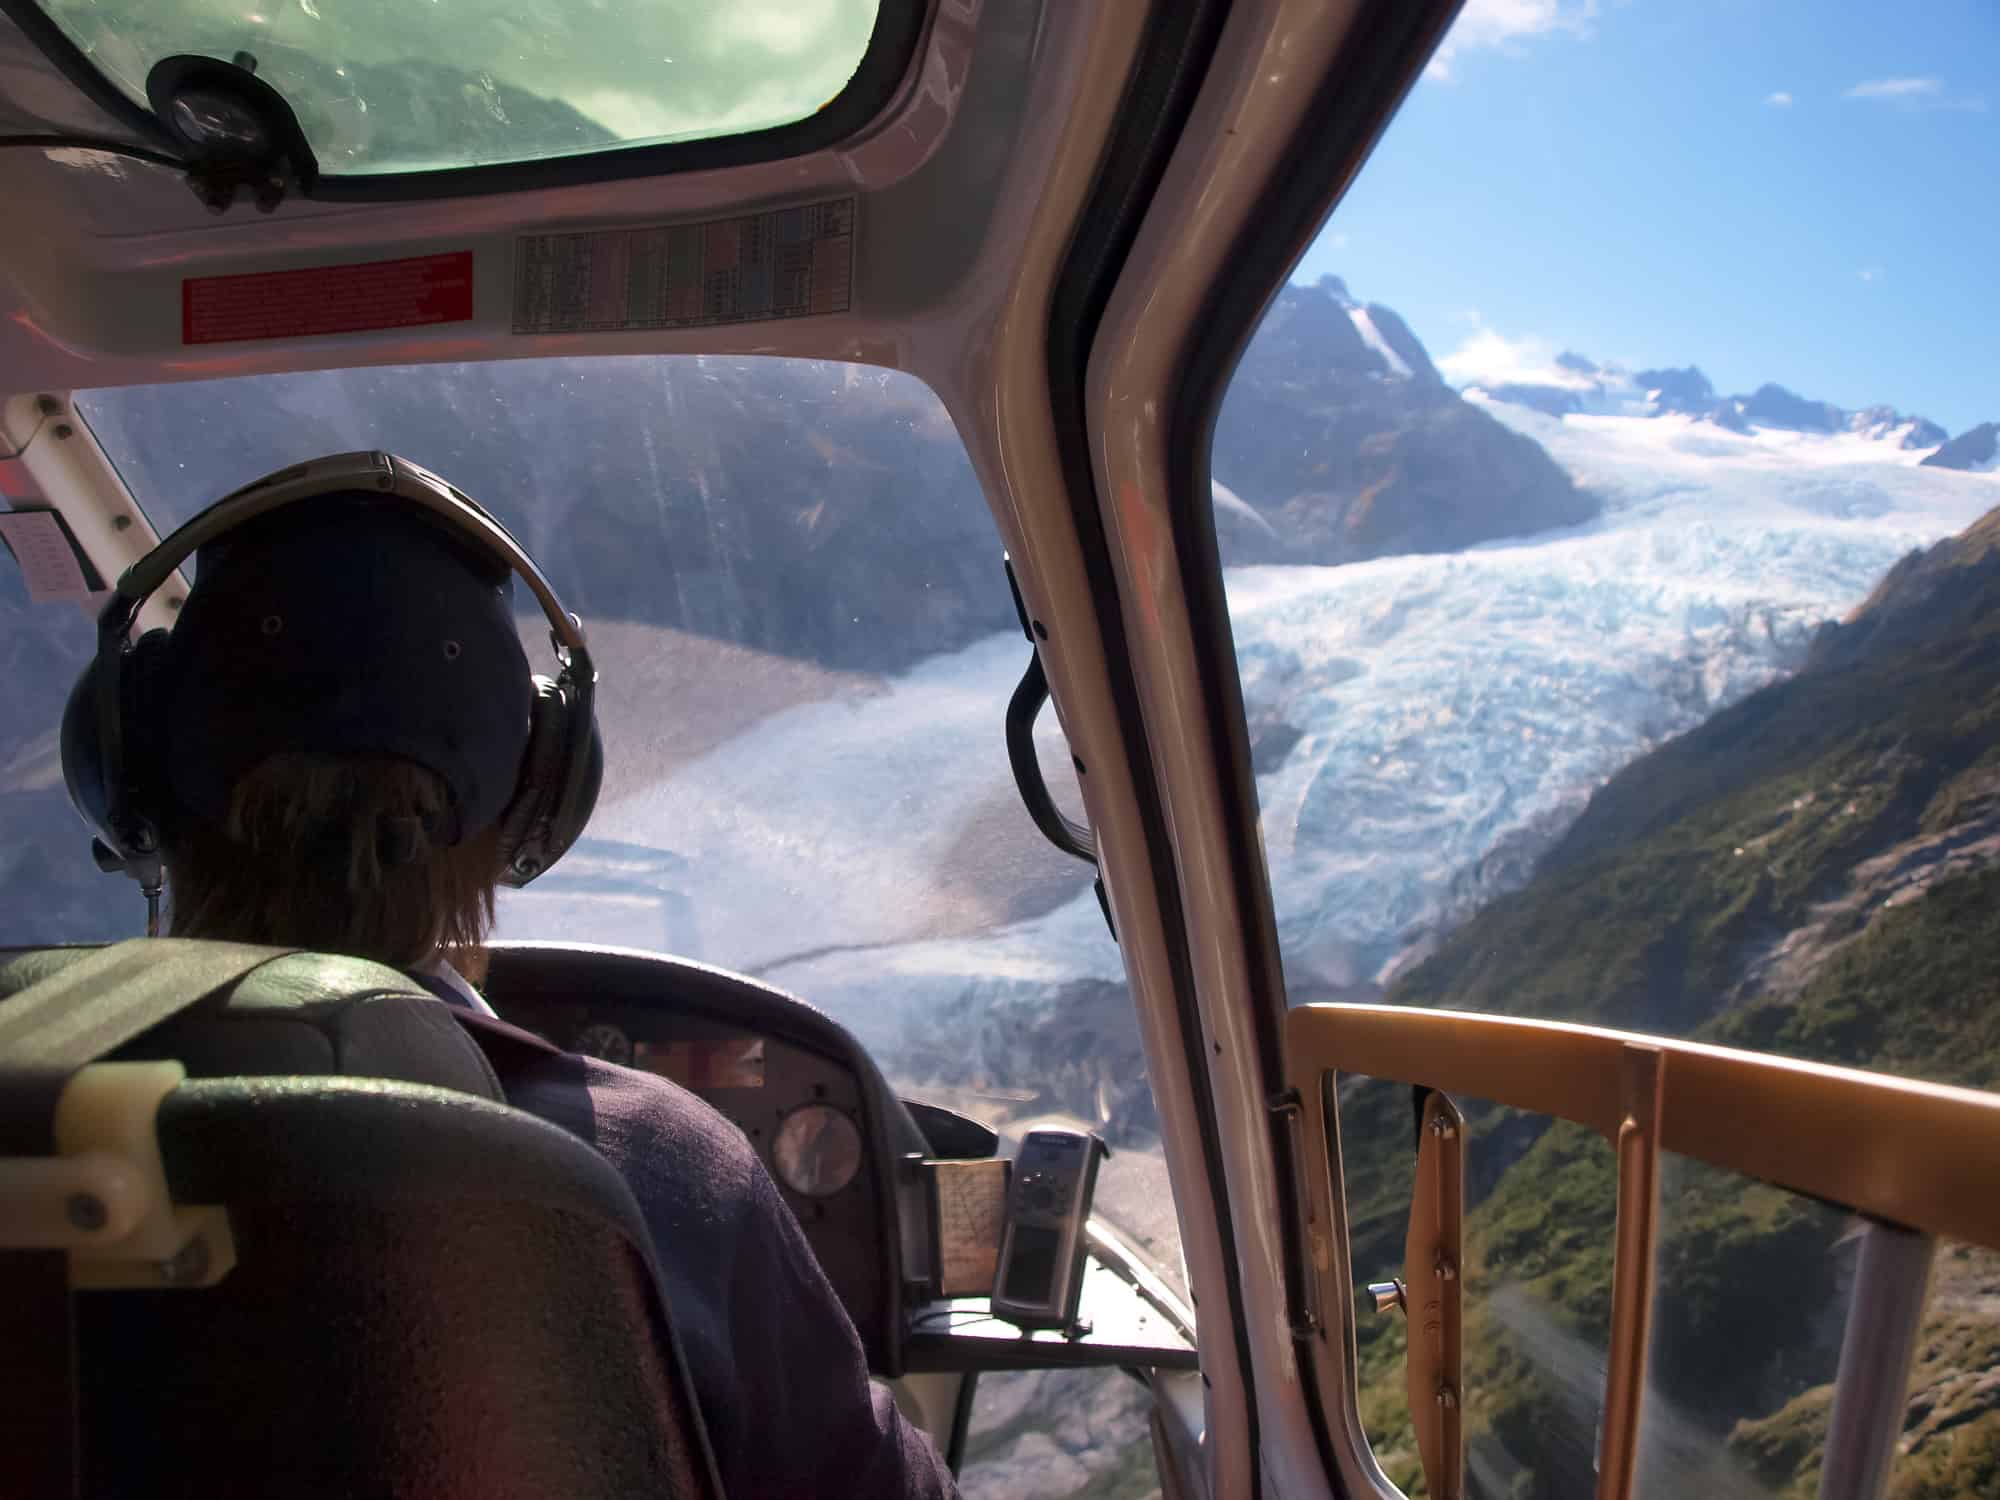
column 117, row 724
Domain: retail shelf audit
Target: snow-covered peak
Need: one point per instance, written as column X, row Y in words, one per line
column 1374, row 340
column 1489, row 367
column 1573, row 384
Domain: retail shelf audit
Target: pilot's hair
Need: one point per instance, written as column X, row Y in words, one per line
column 299, row 864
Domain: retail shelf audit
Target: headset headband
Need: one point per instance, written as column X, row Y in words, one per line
column 381, row 472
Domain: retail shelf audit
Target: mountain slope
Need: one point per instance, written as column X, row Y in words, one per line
column 1977, row 449
column 1338, row 432
column 1814, row 871
column 1690, row 859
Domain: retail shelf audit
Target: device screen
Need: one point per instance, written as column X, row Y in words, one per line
column 1031, row 1267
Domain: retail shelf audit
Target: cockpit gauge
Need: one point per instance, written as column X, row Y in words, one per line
column 817, row 1150
column 602, row 1039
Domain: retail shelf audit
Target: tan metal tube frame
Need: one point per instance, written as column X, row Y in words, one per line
column 1921, row 1155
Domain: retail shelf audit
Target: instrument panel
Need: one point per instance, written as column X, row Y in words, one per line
column 909, row 1244
column 803, row 1094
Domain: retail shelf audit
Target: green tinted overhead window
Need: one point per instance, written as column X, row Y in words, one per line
column 419, row 85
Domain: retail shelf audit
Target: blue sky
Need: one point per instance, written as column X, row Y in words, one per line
column 1770, row 189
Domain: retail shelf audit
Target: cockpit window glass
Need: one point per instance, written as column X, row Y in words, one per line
column 1607, row 510
column 1099, row 1445
column 796, row 602
column 390, row 87
column 52, row 891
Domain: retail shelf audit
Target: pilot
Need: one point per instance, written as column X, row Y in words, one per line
column 346, row 711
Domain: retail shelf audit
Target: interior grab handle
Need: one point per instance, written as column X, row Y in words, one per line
column 1068, row 835
column 1022, row 710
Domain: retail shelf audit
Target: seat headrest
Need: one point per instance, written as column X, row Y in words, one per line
column 305, row 1013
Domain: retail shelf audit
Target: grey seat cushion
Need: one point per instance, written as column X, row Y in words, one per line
column 303, row 1013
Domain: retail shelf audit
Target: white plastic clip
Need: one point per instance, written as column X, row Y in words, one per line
column 104, row 1196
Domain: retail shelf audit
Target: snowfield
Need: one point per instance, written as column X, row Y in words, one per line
column 1446, row 716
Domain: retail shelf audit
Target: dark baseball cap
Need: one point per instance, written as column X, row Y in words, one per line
column 349, row 623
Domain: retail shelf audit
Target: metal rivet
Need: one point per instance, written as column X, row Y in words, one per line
column 272, row 624
column 87, row 1211
column 1447, row 1397
column 1441, row 1128
column 452, row 650
column 63, row 430
column 48, row 406
column 121, row 523
column 188, row 1266
column 1445, row 1268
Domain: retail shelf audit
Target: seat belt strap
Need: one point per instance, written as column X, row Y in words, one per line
column 93, row 1007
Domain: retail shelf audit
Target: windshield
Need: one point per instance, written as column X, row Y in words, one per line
column 1608, row 510
column 389, row 87
column 795, row 598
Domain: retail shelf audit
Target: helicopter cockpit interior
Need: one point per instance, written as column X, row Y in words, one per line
column 1000, row 539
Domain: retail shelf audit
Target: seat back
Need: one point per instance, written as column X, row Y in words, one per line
column 433, row 1294
column 298, row 1013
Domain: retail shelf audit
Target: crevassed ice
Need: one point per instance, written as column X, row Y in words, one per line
column 1443, row 708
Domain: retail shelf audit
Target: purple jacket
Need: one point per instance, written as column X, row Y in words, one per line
column 777, row 1366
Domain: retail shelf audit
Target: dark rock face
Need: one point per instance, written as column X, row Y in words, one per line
column 1346, row 459
column 1774, row 406
column 1551, row 400
column 1975, row 448
column 819, row 511
column 1680, row 390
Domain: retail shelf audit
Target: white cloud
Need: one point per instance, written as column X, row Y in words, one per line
column 1870, row 273
column 1779, row 100
column 1497, row 23
column 1916, row 93
column 1896, row 88
column 1488, row 358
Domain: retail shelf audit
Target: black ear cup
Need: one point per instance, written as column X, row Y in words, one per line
column 83, row 748
column 561, row 771
column 111, row 744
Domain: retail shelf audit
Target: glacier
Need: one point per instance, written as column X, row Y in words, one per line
column 1447, row 716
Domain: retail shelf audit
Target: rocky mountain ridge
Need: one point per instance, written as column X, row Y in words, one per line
column 1585, row 387
column 1343, row 443
column 1976, row 450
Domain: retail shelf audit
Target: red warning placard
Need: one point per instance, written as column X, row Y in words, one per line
column 376, row 294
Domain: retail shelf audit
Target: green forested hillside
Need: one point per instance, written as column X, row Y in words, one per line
column 1811, row 872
